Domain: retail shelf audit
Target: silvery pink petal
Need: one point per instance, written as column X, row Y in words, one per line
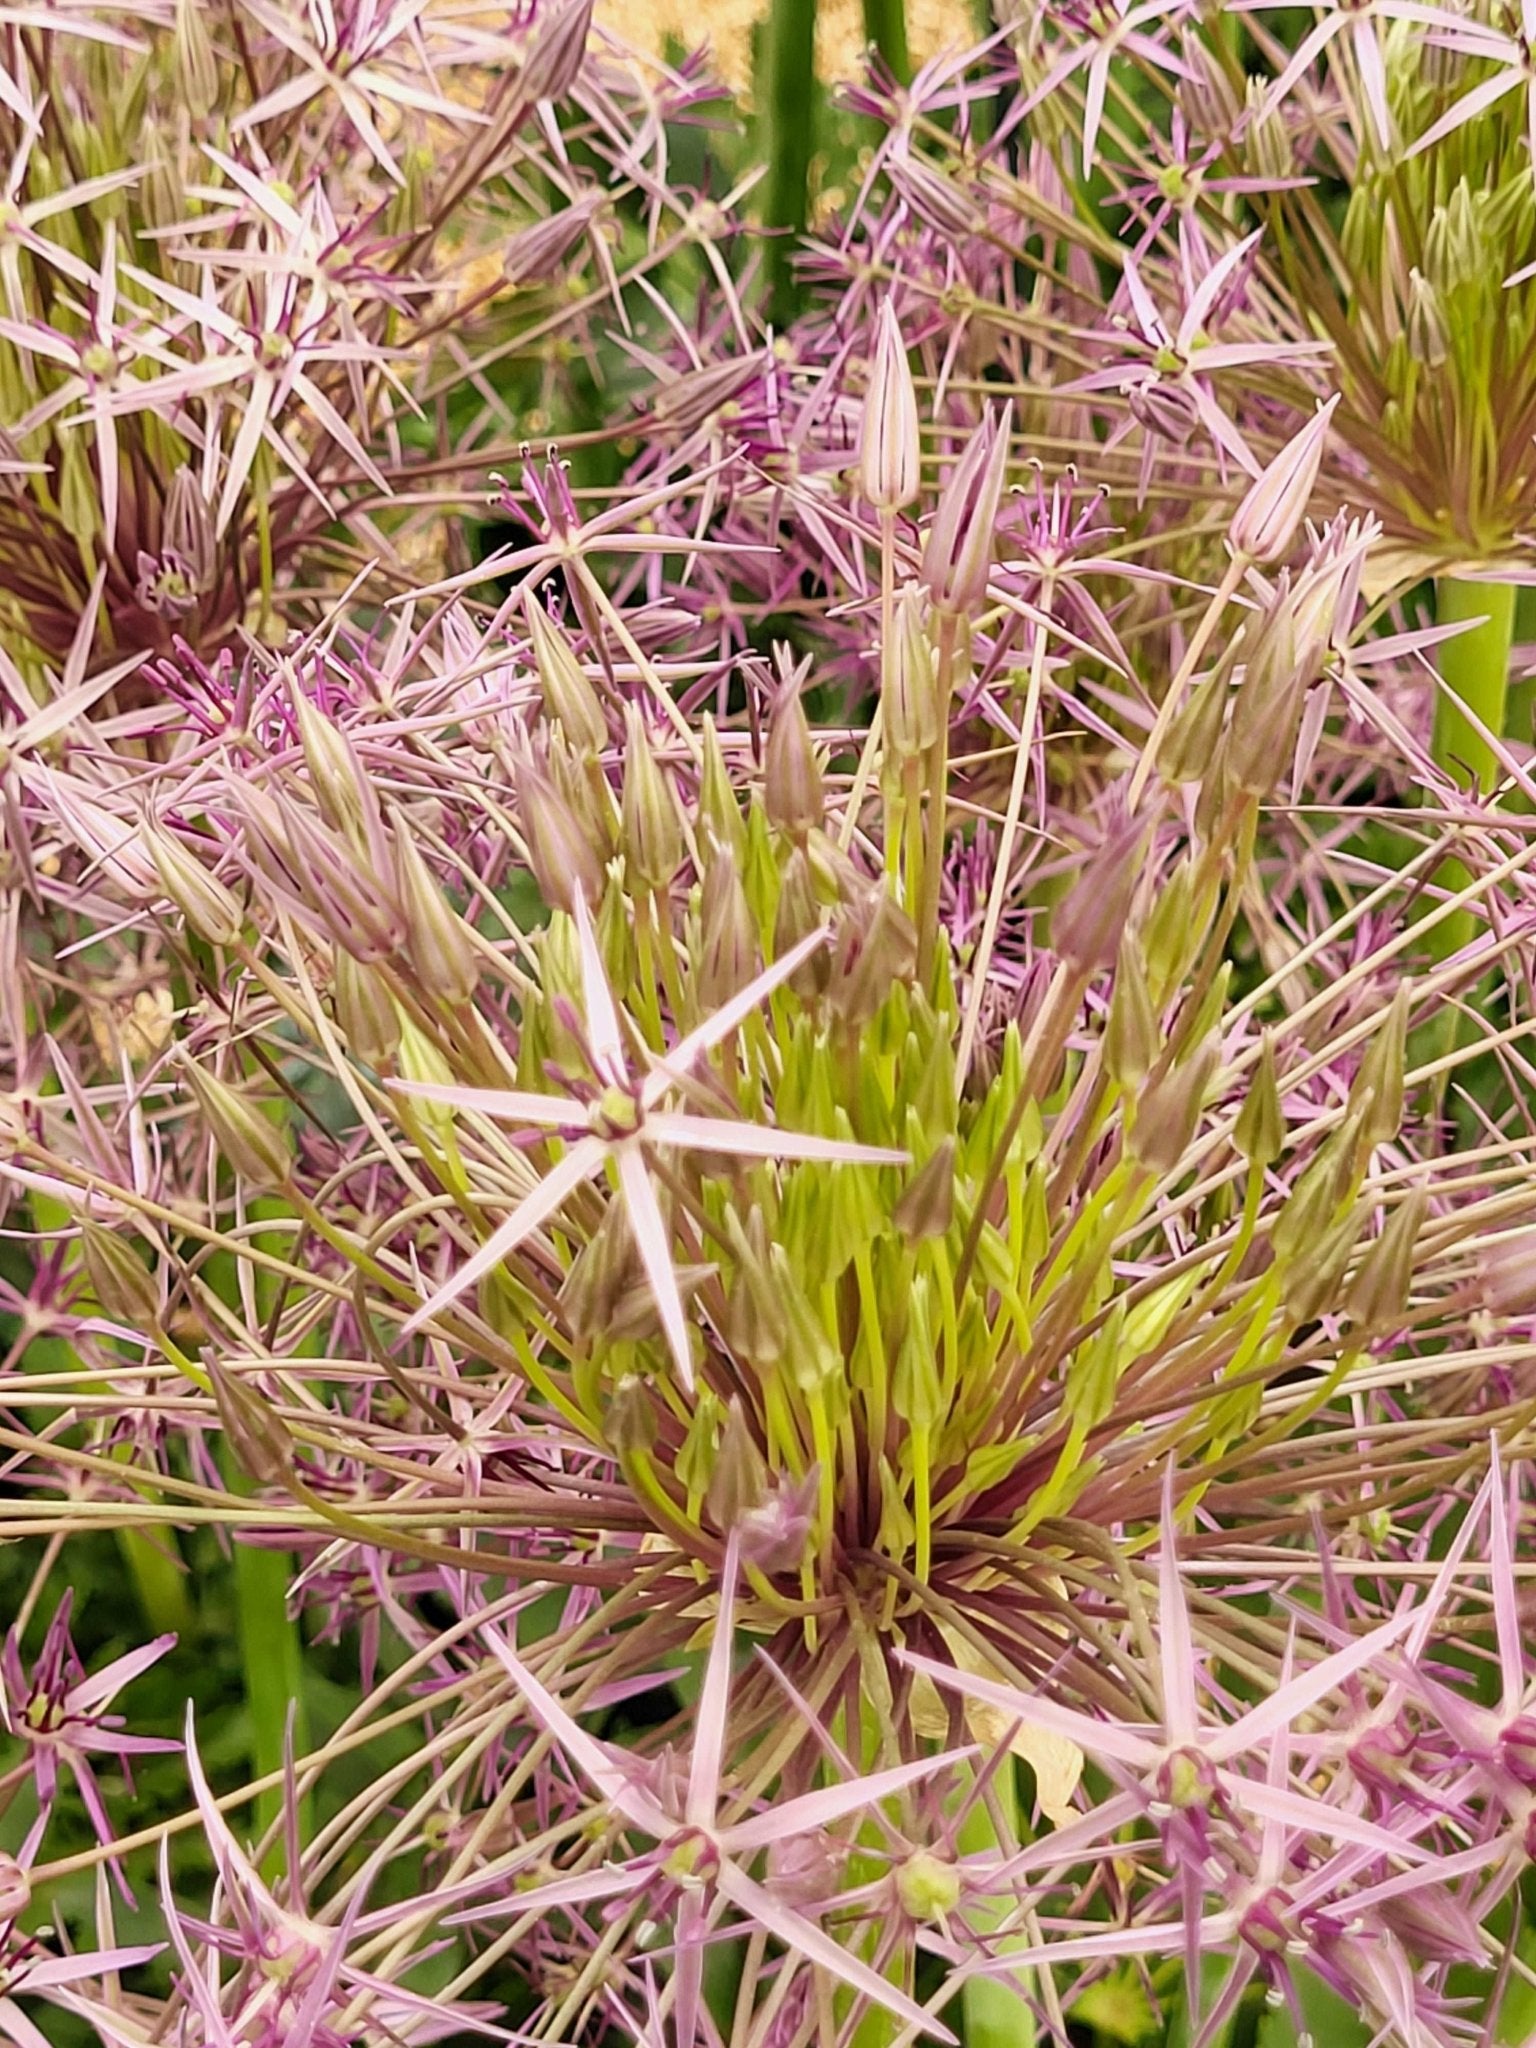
column 762, row 1141
column 653, row 1240
column 602, row 1017
column 890, row 455
column 957, row 560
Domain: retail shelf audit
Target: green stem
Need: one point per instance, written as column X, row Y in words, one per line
column 272, row 1666
column 1476, row 666
column 790, row 119
column 885, row 24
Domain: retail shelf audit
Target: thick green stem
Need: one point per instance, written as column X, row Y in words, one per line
column 885, row 24
column 1475, row 665
column 789, row 105
column 272, row 1665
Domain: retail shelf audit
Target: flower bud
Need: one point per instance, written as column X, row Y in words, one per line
column 739, row 1484
column 436, row 937
column 875, row 948
column 335, row 772
column 792, row 786
column 629, row 1423
column 1380, row 1074
column 890, row 456
column 728, row 931
column 554, row 62
column 957, row 560
column 1259, row 1133
column 718, row 807
column 197, row 71
column 366, row 1012
column 598, row 1277
column 1132, row 1039
column 1378, row 1294
column 913, row 710
column 1270, row 515
column 1311, row 1284
column 567, row 693
column 758, row 1327
column 916, row 1394
column 256, row 1150
column 256, row 1433
column 798, row 915
column 652, row 835
column 1087, row 924
column 560, row 854
column 1168, row 1110
column 926, row 1205
column 1190, row 743
column 119, row 1279
column 534, row 254
column 1280, row 669
column 210, row 908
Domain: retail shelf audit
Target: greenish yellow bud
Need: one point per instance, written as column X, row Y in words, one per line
column 728, row 931
column 875, row 946
column 367, row 1015
column 1087, row 925
column 561, row 855
column 1380, row 1075
column 1132, row 1038
column 797, row 916
column 1259, row 1133
column 629, row 1425
column 738, row 1486
column 256, row 1433
column 335, row 773
column 1168, row 1111
column 916, row 1393
column 792, row 785
column 436, row 937
column 926, row 1206
column 1378, row 1294
column 567, row 693
column 653, row 839
column 758, row 1324
column 197, row 70
column 211, row 909
column 913, row 710
column 255, row 1149
column 1312, row 1283
column 119, row 1279
column 718, row 809
column 1190, row 744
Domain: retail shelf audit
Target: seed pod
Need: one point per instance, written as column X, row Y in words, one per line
column 256, row 1150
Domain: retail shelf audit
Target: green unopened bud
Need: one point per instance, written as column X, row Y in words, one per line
column 367, row 1015
column 1168, row 1110
column 1308, row 1212
column 926, row 1206
column 1173, row 932
column 1380, row 1074
column 256, row 1433
column 197, row 70
column 601, row 1271
column 1132, row 1039
column 255, row 1149
column 1271, row 155
column 718, row 809
column 797, row 916
column 699, row 1451
column 567, row 693
column 629, row 1422
column 335, row 772
column 1190, row 744
column 916, row 1393
column 928, row 1888
column 1261, row 737
column 653, row 840
column 792, row 787
column 1259, row 1133
column 1312, row 1283
column 1428, row 342
column 211, row 909
column 1087, row 924
column 758, row 1325
column 560, row 853
column 1378, row 1294
column 119, row 1279
column 913, row 711
column 875, row 947
column 728, row 932
column 436, row 937
column 739, row 1483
